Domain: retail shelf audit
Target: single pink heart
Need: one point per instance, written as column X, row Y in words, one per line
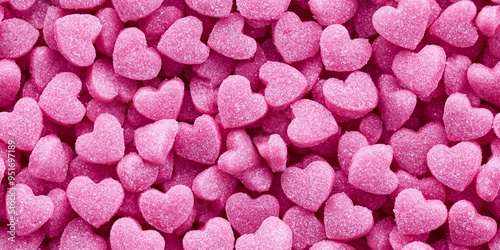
column 106, row 197
column 464, row 122
column 352, row 98
column 126, row 233
column 104, row 145
column 410, row 147
column 238, row 105
column 469, row 228
column 455, row 167
column 240, row 155
column 404, row 26
column 75, row 35
column 78, row 234
column 340, row 53
column 307, row 229
column 274, row 150
column 50, row 159
column 396, row 105
column 104, row 84
column 246, row 214
column 24, row 124
column 167, row 211
column 263, row 11
column 77, row 5
column 312, row 124
column 30, row 211
column 370, row 170
column 344, row 221
column 216, row 234
column 10, row 81
column 273, row 233
column 218, row 8
column 181, row 42
column 200, row 142
column 461, row 16
column 291, row 33
column 59, row 100
column 30, row 241
column 162, row 103
column 284, row 84
column 488, row 180
column 154, row 141
column 416, row 215
column 309, row 187
column 485, row 82
column 132, row 58
column 134, row 10
column 349, row 143
column 227, row 38
column 213, row 184
column 424, row 79
column 14, row 29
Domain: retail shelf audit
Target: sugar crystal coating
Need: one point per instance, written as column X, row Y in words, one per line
column 154, row 141
column 135, row 174
column 50, row 159
column 262, row 9
column 133, row 10
column 272, row 233
column 17, row 37
column 10, row 81
column 306, row 228
column 79, row 235
column 468, row 227
column 216, row 234
column 333, row 12
column 126, row 233
column 227, row 38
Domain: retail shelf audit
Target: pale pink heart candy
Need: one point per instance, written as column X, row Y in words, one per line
column 126, row 233
column 213, row 184
column 372, row 127
column 349, row 143
column 484, row 81
column 240, row 155
column 383, row 53
column 135, row 174
column 246, row 214
column 494, row 243
column 154, row 141
column 284, row 84
column 395, row 104
column 200, row 142
column 415, row 215
column 215, row 234
column 306, row 228
column 53, row 13
column 181, row 42
column 273, row 233
column 309, row 187
column 78, row 5
column 405, row 25
column 45, row 63
column 111, row 27
column 21, row 4
column 183, row 172
column 132, row 10
column 462, row 121
column 262, row 9
column 340, row 53
column 96, row 203
column 167, row 211
column 345, row 221
column 227, row 38
column 104, row 84
column 105, row 144
column 417, row 245
column 461, row 16
column 333, row 12
column 10, row 81
column 115, row 108
column 411, row 148
column 215, row 69
column 291, row 33
column 161, row 103
column 399, row 240
column 488, row 20
column 30, row 241
column 50, row 159
column 487, row 181
column 370, row 170
column 378, row 237
column 59, row 100
column 80, row 235
column 312, row 124
column 132, row 58
column 24, row 124
column 273, row 149
column 469, row 228
column 12, row 31
column 352, row 98
column 257, row 178
column 331, row 245
column 218, row 8
column 155, row 24
column 420, row 72
column 238, row 105
column 455, row 167
column 30, row 211
column 75, row 35
column 455, row 77
column 204, row 97
column 63, row 213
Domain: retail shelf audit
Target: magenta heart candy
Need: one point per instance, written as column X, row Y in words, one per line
column 469, row 228
column 126, row 233
column 216, row 234
column 306, row 228
column 106, row 197
column 50, row 159
column 213, row 184
column 161, row 103
column 487, row 181
column 13, row 29
column 309, row 187
column 461, row 16
column 263, row 9
column 227, row 38
column 218, row 8
column 485, row 82
column 134, row 10
column 273, row 233
column 10, row 81
column 457, row 166
column 395, row 104
column 240, row 155
column 155, row 140
column 78, row 234
column 167, row 211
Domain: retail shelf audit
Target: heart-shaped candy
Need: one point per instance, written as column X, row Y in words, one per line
column 240, row 155
column 227, row 38
column 162, row 103
column 349, row 143
column 154, row 141
column 306, row 228
column 218, row 8
column 106, row 197
column 340, row 53
column 104, row 84
column 263, row 9
column 213, row 184
column 104, row 145
column 12, row 31
column 395, row 104
column 10, row 81
column 309, row 187
column 49, row 159
column 135, row 10
column 78, row 234
column 126, row 233
column 135, row 174
column 488, row 181
column 132, row 58
column 216, row 234
column 469, row 228
column 460, row 16
column 457, row 166
column 273, row 233
column 404, row 26
column 75, row 35
column 485, row 82
column 167, row 211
